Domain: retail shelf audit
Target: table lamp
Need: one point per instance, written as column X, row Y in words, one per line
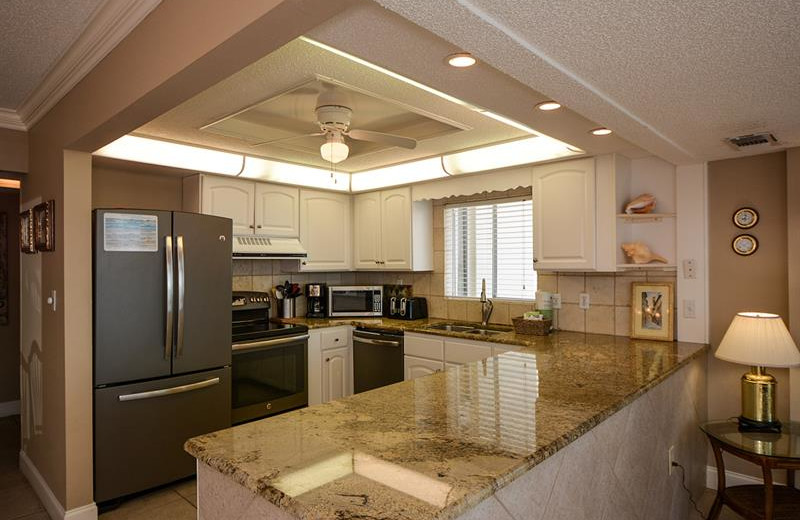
column 760, row 340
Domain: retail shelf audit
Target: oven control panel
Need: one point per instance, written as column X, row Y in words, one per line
column 250, row 300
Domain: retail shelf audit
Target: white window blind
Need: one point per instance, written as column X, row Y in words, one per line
column 492, row 241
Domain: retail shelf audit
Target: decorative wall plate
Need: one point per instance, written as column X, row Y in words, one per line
column 745, row 218
column 744, row 245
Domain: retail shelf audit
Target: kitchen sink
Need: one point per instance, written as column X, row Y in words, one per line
column 468, row 329
column 449, row 327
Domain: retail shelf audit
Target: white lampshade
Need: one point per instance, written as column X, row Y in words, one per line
column 758, row 339
column 334, row 149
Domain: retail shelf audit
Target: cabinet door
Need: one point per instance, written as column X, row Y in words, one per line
column 414, row 367
column 335, row 373
column 564, row 215
column 231, row 198
column 325, row 231
column 367, row 231
column 460, row 352
column 277, row 211
column 396, row 229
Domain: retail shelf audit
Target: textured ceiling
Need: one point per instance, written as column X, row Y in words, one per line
column 375, row 34
column 33, row 36
column 673, row 77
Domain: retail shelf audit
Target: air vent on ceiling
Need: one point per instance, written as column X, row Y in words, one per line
column 744, row 142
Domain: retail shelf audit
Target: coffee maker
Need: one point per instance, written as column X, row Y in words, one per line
column 316, row 300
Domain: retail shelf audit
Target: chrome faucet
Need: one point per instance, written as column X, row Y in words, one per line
column 486, row 305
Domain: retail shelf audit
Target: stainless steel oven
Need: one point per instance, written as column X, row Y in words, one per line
column 355, row 300
column 270, row 361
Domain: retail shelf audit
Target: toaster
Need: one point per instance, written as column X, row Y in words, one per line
column 408, row 308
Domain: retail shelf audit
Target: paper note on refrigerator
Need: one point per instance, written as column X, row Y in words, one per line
column 130, row 232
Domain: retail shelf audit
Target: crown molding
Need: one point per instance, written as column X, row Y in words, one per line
column 108, row 26
column 11, row 120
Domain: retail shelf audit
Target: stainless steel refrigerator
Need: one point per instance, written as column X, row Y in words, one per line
column 162, row 343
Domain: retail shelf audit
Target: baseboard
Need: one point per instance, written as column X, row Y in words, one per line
column 731, row 478
column 9, row 408
column 45, row 494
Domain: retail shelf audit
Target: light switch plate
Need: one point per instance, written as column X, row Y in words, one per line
column 555, row 300
column 689, row 309
column 583, row 301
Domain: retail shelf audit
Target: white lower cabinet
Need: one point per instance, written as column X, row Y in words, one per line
column 330, row 364
column 336, row 374
column 460, row 352
column 414, row 367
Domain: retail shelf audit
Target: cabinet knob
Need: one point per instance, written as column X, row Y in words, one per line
column 304, row 262
column 535, row 260
column 327, row 360
column 336, row 340
column 259, row 226
column 251, row 226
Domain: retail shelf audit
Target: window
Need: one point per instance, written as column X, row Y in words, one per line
column 492, row 241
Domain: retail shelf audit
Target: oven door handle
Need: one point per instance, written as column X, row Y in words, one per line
column 377, row 342
column 269, row 343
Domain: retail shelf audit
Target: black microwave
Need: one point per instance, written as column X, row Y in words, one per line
column 355, row 300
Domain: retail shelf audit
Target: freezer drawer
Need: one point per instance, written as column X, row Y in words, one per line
column 139, row 429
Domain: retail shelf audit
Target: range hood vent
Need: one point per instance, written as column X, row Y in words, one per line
column 749, row 141
column 267, row 248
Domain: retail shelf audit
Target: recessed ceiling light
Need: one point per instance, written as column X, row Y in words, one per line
column 548, row 105
column 461, row 60
column 600, row 131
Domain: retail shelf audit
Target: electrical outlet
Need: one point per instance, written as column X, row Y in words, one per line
column 689, row 269
column 555, row 300
column 583, row 301
column 688, row 309
column 671, row 458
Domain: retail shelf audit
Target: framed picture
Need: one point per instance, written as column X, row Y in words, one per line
column 651, row 311
column 43, row 228
column 26, row 244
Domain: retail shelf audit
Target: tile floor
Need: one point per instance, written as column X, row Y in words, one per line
column 175, row 502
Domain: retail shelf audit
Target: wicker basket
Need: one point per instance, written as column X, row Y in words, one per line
column 533, row 327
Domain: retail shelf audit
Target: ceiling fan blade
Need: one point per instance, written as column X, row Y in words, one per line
column 379, row 137
column 316, row 134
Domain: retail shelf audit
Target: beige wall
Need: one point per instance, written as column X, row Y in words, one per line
column 793, row 223
column 737, row 283
column 9, row 334
column 180, row 49
column 116, row 188
column 13, row 150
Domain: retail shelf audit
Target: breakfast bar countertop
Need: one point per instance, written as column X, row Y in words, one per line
column 436, row 446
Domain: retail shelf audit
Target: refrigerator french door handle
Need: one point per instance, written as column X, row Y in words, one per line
column 169, row 391
column 181, row 293
column 170, row 298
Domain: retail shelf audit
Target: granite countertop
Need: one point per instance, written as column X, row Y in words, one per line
column 436, row 446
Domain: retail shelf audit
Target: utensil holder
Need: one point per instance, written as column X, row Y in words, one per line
column 288, row 308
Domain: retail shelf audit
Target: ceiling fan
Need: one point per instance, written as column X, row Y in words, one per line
column 333, row 117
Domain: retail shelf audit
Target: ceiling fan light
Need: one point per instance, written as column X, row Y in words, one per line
column 334, row 150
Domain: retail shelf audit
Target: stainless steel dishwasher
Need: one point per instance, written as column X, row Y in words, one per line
column 377, row 358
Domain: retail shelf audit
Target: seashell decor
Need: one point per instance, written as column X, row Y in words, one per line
column 644, row 203
column 640, row 254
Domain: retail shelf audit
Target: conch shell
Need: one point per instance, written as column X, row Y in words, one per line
column 644, row 203
column 641, row 254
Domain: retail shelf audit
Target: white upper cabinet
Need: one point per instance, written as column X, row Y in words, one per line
column 564, row 215
column 367, row 230
column 325, row 231
column 391, row 232
column 277, row 210
column 396, row 229
column 231, row 198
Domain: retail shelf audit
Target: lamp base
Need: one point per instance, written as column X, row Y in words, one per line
column 749, row 425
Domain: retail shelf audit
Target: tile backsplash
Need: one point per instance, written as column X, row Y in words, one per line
column 609, row 293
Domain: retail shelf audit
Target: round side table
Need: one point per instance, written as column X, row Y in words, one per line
column 768, row 450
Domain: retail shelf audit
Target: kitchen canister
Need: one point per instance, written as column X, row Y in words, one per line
column 544, row 304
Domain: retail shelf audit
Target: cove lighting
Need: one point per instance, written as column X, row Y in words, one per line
column 12, row 184
column 504, row 155
column 406, row 173
column 287, row 173
column 174, row 155
column 420, row 86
